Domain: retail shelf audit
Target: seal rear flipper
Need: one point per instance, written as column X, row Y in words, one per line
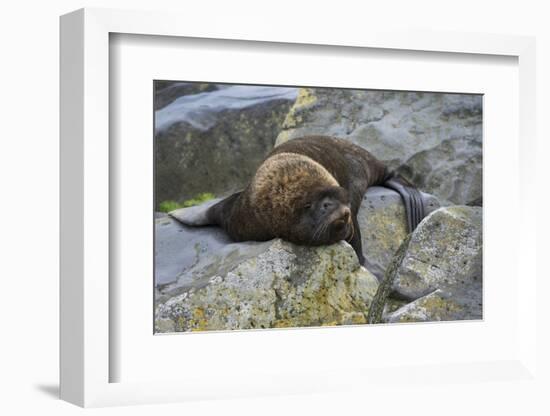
column 197, row 215
column 412, row 198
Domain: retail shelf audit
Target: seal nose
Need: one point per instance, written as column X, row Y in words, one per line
column 346, row 216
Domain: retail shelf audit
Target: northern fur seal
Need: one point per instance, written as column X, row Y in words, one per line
column 307, row 191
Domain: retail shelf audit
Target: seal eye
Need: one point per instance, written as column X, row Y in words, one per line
column 308, row 206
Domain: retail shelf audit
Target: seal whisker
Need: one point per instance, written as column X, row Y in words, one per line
column 318, row 232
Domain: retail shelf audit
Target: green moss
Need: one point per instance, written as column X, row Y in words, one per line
column 199, row 199
column 167, row 206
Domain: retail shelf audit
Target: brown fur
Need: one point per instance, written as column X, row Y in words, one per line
column 283, row 181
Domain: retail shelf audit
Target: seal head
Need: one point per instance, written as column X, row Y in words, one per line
column 325, row 218
column 298, row 200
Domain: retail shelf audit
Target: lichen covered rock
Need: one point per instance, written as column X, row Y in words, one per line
column 442, row 268
column 283, row 286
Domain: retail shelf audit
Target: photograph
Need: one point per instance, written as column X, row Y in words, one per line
column 300, row 206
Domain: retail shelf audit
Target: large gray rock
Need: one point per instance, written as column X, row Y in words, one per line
column 280, row 285
column 440, row 305
column 442, row 268
column 178, row 248
column 433, row 138
column 213, row 141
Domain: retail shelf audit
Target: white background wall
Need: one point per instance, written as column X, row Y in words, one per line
column 29, row 193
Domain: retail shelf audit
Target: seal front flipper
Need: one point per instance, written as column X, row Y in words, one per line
column 412, row 198
column 355, row 241
column 221, row 212
column 197, row 215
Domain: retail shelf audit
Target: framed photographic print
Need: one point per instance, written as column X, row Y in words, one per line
column 309, row 221
column 285, row 213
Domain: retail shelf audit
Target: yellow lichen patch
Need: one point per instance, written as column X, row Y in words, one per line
column 331, row 323
column 293, row 118
column 431, row 308
column 180, row 323
column 284, row 136
column 408, row 319
column 438, row 304
column 199, row 321
column 283, row 323
column 353, row 318
column 305, row 98
column 389, row 232
column 394, row 304
column 358, row 319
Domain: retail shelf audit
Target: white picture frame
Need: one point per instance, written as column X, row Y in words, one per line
column 85, row 217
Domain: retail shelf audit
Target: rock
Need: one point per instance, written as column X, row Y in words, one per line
column 179, row 248
column 384, row 226
column 433, row 138
column 167, row 92
column 382, row 301
column 442, row 268
column 451, row 169
column 439, row 306
column 279, row 285
column 445, row 250
column 214, row 141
